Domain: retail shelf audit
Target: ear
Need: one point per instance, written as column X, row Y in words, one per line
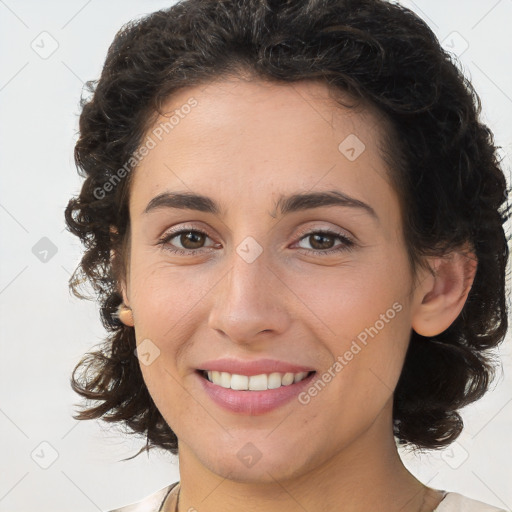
column 443, row 292
column 125, row 314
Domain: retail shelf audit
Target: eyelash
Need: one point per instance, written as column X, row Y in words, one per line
column 346, row 245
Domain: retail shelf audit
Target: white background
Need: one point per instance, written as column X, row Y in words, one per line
column 44, row 330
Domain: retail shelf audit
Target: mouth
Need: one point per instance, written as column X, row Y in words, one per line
column 253, row 394
column 261, row 382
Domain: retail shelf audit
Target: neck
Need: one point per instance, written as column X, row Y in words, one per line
column 366, row 475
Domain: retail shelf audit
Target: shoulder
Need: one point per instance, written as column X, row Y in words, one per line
column 151, row 503
column 455, row 502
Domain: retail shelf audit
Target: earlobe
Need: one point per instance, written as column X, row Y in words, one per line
column 442, row 296
column 124, row 312
column 125, row 315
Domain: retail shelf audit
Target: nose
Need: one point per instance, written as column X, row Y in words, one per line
column 250, row 302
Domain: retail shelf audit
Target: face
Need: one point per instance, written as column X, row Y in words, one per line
column 252, row 281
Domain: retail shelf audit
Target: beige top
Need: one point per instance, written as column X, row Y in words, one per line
column 452, row 502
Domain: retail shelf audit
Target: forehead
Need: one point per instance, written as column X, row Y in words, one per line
column 268, row 107
column 247, row 139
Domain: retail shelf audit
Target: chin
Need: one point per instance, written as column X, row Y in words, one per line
column 243, row 461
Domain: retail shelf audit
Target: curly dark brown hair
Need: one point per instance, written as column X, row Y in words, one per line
column 446, row 173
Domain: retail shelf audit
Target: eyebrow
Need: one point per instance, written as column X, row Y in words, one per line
column 285, row 204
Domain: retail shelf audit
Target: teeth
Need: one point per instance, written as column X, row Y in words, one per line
column 254, row 382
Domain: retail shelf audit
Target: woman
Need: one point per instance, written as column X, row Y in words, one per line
column 293, row 217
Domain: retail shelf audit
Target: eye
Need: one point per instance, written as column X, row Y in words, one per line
column 322, row 242
column 191, row 241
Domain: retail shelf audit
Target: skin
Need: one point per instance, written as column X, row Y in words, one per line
column 243, row 145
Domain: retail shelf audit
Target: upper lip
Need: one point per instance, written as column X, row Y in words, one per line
column 255, row 367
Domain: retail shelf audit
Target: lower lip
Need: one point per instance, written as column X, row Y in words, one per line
column 253, row 402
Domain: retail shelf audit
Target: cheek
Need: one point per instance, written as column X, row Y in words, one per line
column 352, row 300
column 164, row 297
column 351, row 392
column 356, row 311
column 362, row 317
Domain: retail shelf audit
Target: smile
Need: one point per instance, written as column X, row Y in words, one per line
column 260, row 382
column 255, row 394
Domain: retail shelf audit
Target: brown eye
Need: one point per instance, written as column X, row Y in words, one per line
column 321, row 241
column 324, row 242
column 192, row 239
column 185, row 241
